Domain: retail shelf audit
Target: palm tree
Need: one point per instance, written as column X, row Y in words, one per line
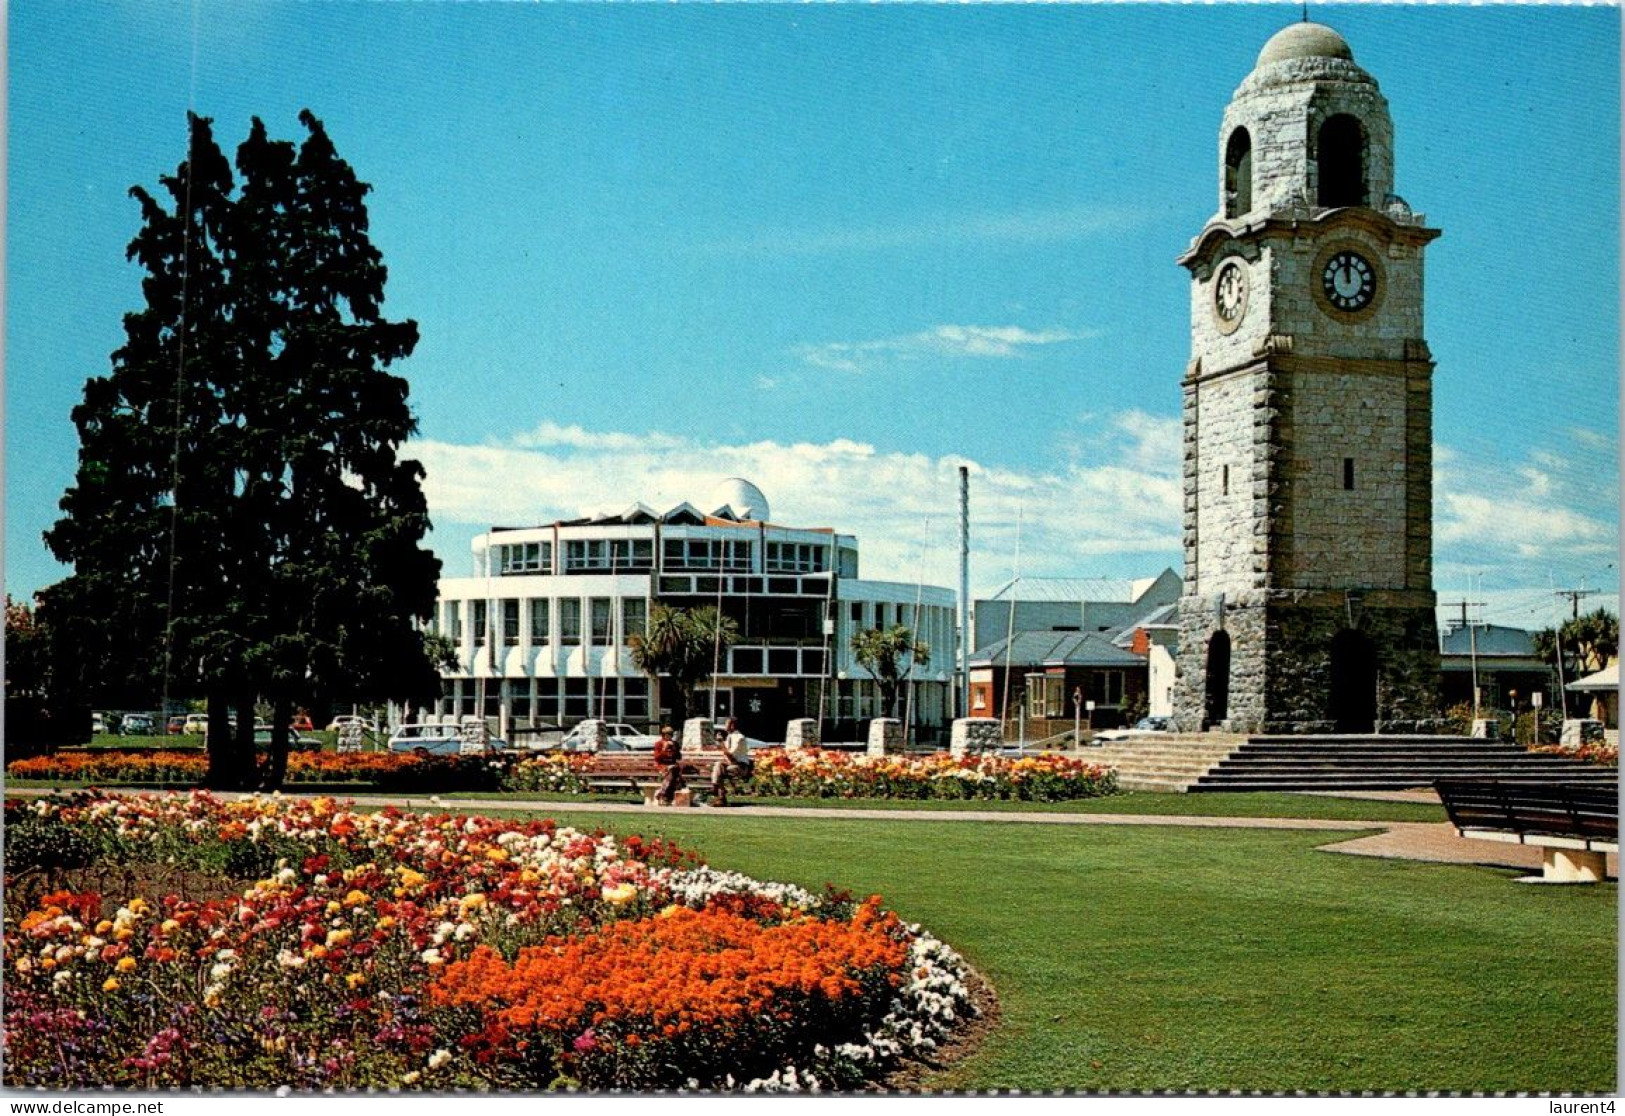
column 890, row 656
column 682, row 645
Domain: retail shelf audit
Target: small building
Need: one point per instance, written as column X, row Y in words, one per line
column 1597, row 696
column 1044, row 645
column 1052, row 678
column 1502, row 659
column 542, row 627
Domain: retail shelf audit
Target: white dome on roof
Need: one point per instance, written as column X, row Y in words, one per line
column 740, row 496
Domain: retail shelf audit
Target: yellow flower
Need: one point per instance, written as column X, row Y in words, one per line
column 316, row 952
column 355, row 899
column 333, row 907
column 621, row 894
column 126, row 964
column 110, row 984
column 497, row 855
column 472, row 902
column 138, row 906
column 338, row 937
column 410, row 878
column 169, row 926
column 123, row 933
column 386, row 922
column 104, row 926
column 355, row 980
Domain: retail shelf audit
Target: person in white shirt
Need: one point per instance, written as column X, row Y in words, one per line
column 735, row 760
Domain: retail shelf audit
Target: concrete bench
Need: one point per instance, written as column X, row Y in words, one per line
column 1576, row 826
column 638, row 771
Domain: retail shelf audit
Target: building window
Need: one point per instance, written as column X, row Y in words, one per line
column 634, row 618
column 586, row 554
column 785, row 557
column 479, row 622
column 632, row 554
column 1224, row 482
column 747, row 660
column 547, row 699
column 510, row 623
column 522, row 558
column 1106, row 688
column 576, row 697
column 602, row 622
column 570, row 622
column 707, row 554
column 781, row 660
column 1348, row 473
column 635, row 700
column 540, row 615
column 454, row 621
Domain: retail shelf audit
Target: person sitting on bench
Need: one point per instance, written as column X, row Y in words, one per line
column 735, row 759
column 667, row 754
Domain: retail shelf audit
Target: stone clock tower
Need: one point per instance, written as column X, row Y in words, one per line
column 1309, row 602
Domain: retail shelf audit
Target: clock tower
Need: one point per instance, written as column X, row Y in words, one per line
column 1308, row 602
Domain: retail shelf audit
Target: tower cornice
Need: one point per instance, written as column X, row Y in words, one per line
column 1209, row 244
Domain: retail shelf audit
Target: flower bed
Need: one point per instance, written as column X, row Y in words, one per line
column 395, row 950
column 779, row 773
column 383, row 770
column 1599, row 753
column 818, row 773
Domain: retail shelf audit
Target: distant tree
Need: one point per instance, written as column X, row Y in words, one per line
column 241, row 503
column 1588, row 643
column 682, row 645
column 890, row 656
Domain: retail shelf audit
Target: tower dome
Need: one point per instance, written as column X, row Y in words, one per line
column 1304, row 40
column 738, row 494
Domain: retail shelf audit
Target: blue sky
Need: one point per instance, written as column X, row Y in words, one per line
column 840, row 250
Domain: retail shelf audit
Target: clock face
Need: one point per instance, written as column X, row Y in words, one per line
column 1349, row 281
column 1230, row 295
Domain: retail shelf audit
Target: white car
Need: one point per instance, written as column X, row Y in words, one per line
column 622, row 737
column 1145, row 726
column 436, row 740
column 367, row 724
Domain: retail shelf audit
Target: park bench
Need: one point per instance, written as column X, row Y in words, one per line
column 1575, row 826
column 638, row 771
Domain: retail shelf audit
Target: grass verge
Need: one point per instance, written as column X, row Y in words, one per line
column 1176, row 959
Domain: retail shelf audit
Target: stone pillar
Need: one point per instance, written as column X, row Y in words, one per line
column 594, row 732
column 1486, row 728
column 885, row 736
column 476, row 738
column 1580, row 730
column 801, row 733
column 696, row 734
column 975, row 734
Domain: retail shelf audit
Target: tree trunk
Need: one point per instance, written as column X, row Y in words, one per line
column 276, row 770
column 229, row 769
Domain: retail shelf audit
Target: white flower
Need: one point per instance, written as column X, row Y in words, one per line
column 431, row 956
column 439, row 1058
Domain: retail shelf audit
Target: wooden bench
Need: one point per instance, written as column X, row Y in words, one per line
column 638, row 771
column 1575, row 825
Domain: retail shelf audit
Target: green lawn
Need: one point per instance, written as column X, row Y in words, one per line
column 1134, row 959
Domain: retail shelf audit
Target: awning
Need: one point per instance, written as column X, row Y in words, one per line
column 1605, row 679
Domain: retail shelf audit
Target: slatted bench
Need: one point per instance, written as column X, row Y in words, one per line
column 638, row 771
column 1574, row 825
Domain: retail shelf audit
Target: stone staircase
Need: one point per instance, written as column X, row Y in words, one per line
column 1162, row 763
column 1298, row 763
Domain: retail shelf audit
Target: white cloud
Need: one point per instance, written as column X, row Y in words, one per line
column 1115, row 520
column 998, row 342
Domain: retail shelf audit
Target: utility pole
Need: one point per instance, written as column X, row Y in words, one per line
column 1574, row 596
column 1472, row 642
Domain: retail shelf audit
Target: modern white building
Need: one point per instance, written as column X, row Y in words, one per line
column 542, row 628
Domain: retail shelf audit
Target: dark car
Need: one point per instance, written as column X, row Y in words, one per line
column 296, row 742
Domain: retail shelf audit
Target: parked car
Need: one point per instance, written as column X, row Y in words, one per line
column 301, row 723
column 1145, row 726
column 296, row 742
column 196, row 723
column 630, row 739
column 136, row 724
column 436, row 740
column 176, row 726
column 98, row 724
column 338, row 724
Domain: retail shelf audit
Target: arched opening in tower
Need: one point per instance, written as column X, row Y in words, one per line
column 1352, row 702
column 1340, row 155
column 1238, row 173
column 1218, row 679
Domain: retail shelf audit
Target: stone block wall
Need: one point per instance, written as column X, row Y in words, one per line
column 696, row 734
column 975, row 734
column 885, row 736
column 801, row 733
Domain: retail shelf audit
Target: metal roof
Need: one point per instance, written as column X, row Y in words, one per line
column 1030, row 649
column 1487, row 641
column 1117, row 590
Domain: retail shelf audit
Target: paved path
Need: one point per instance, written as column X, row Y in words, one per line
column 1435, row 842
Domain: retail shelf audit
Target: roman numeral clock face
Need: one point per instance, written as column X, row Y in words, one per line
column 1348, row 281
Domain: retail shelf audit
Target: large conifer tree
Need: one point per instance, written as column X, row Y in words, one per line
column 251, row 417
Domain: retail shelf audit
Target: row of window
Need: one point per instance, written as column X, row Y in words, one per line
column 637, row 555
column 532, row 621
column 549, row 700
column 1048, row 695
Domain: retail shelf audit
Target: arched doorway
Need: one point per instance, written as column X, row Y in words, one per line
column 1238, row 174
column 1218, row 679
column 1353, row 698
